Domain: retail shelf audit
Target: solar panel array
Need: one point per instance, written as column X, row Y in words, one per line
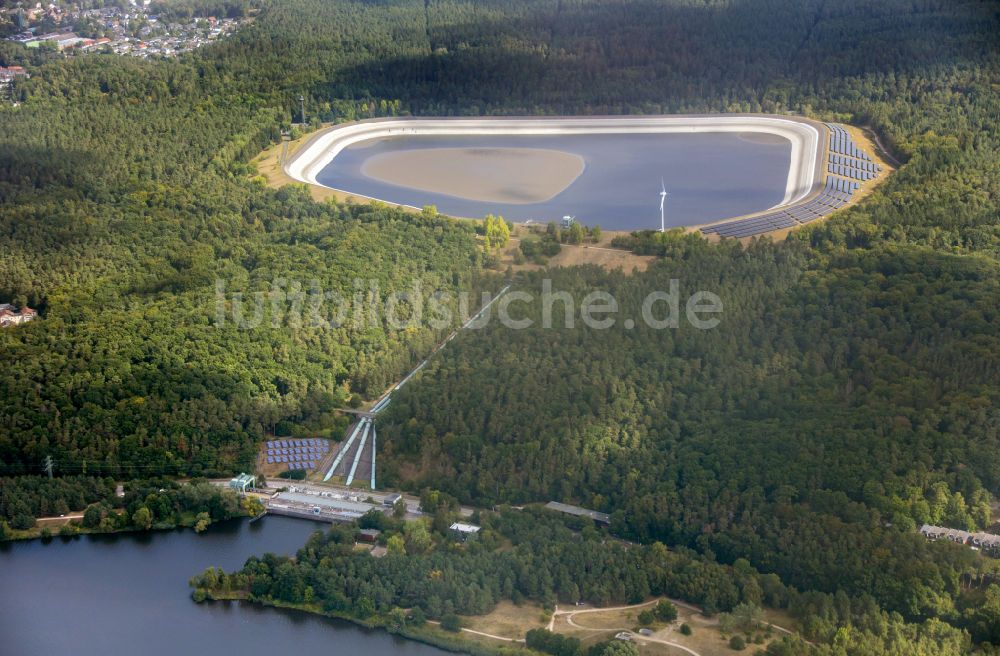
column 848, row 165
column 297, row 454
column 846, row 159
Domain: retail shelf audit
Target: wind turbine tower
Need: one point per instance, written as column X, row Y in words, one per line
column 663, row 200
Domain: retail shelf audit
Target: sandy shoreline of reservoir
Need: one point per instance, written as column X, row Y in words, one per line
column 497, row 175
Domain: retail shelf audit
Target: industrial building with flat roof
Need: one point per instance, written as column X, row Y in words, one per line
column 333, row 503
column 324, row 507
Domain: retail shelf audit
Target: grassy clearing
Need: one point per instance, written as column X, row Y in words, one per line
column 600, row 253
column 508, row 620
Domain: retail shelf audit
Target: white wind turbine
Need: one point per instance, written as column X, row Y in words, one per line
column 663, row 199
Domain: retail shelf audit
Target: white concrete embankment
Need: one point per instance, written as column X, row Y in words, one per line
column 803, row 136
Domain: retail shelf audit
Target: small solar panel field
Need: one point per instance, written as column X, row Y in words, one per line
column 295, row 453
column 847, row 167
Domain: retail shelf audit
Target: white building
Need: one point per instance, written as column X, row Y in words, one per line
column 464, row 532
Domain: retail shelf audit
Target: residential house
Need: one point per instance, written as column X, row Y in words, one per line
column 10, row 317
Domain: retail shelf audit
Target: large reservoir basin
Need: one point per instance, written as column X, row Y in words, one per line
column 612, row 180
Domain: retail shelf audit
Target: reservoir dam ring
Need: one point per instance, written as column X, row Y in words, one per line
column 730, row 175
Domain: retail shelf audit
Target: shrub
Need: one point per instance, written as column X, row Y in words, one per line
column 92, row 516
column 451, row 622
column 737, row 643
column 416, row 617
column 364, row 607
column 666, row 611
column 552, row 643
column 685, row 629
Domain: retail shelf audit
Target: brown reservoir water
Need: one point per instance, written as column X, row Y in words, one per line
column 127, row 594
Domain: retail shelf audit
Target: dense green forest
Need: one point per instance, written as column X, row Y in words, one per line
column 789, row 435
column 849, row 394
column 117, row 231
column 25, row 497
column 144, row 504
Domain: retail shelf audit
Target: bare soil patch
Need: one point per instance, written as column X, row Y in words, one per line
column 500, row 175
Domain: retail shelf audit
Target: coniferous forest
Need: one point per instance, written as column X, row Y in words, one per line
column 850, row 393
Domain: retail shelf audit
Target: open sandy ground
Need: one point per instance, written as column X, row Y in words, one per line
column 601, row 254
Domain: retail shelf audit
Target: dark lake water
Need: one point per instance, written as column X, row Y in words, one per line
column 127, row 594
column 709, row 176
